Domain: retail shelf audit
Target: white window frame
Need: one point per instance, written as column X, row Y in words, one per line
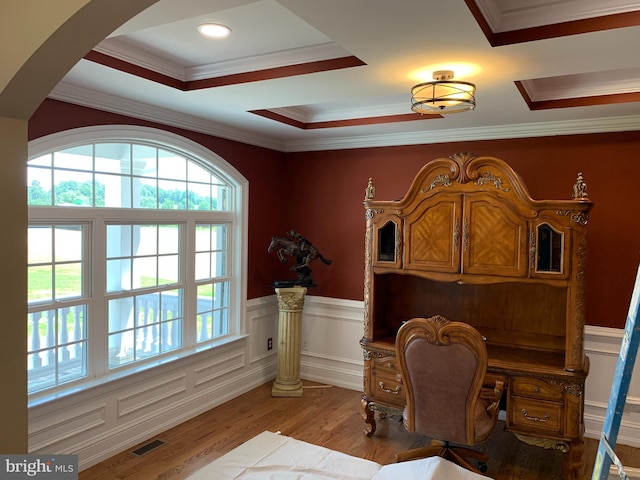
column 236, row 218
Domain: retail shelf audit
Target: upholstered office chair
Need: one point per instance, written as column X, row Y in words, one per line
column 443, row 365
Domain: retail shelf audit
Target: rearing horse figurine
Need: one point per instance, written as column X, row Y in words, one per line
column 303, row 250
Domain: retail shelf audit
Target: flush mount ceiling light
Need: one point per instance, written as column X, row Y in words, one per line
column 443, row 95
column 214, row 30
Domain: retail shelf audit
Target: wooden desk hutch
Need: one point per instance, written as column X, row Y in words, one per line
column 467, row 242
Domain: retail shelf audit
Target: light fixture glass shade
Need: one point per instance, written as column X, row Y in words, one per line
column 443, row 95
column 214, row 30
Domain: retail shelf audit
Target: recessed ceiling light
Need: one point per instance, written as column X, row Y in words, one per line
column 214, row 30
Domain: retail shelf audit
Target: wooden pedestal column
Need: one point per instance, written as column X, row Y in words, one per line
column 290, row 303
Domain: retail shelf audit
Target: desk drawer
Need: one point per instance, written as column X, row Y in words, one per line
column 388, row 388
column 535, row 388
column 386, row 366
column 535, row 416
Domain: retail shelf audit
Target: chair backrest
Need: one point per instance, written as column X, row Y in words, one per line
column 443, row 365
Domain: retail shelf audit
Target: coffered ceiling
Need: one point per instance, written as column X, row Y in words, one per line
column 299, row 75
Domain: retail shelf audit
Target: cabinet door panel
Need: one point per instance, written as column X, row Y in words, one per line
column 494, row 239
column 432, row 235
column 387, row 243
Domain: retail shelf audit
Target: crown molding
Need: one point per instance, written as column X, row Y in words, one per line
column 128, row 53
column 94, row 99
column 524, row 130
column 145, row 60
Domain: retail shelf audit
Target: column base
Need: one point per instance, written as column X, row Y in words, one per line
column 280, row 389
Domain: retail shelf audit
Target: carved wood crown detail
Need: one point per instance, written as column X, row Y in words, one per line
column 372, row 212
column 370, row 191
column 460, row 172
column 581, row 218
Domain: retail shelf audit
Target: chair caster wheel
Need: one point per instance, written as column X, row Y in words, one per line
column 482, row 467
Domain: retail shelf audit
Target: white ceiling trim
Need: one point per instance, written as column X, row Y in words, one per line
column 255, row 63
column 503, row 16
column 109, row 103
column 144, row 60
column 294, row 56
column 305, row 114
column 524, row 130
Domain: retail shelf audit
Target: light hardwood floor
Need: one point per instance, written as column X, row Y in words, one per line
column 327, row 416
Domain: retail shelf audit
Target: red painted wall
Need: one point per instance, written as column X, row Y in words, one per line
column 331, row 187
column 320, row 194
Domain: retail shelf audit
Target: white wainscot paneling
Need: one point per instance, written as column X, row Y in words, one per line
column 263, row 325
column 602, row 345
column 331, row 332
column 98, row 421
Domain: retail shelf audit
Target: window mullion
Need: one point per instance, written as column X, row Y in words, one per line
column 188, row 265
column 98, row 322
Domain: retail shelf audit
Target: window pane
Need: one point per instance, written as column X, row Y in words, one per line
column 220, row 195
column 73, row 188
column 168, row 269
column 77, row 158
column 199, row 196
column 196, row 173
column 145, row 272
column 171, row 166
column 145, row 239
column 119, row 240
column 203, row 266
column 113, row 191
column 120, row 314
column 68, row 242
column 203, row 237
column 168, row 239
column 40, row 283
column 40, row 244
column 113, row 158
column 172, row 195
column 144, row 161
column 43, row 161
column 118, row 275
column 145, row 193
column 120, row 349
column 39, row 186
column 68, row 280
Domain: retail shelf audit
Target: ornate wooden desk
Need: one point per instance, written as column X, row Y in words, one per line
column 468, row 242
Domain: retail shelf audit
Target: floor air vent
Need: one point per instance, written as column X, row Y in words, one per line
column 148, row 447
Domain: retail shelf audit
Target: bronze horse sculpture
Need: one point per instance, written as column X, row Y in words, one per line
column 304, row 252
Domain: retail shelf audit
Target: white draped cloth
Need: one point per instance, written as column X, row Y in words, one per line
column 270, row 456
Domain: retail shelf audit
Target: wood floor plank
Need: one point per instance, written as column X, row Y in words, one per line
column 327, row 416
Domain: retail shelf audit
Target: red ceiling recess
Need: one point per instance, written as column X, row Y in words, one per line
column 224, row 80
column 350, row 122
column 553, row 30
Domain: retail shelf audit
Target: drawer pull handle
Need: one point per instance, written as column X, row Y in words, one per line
column 535, row 419
column 536, row 389
column 388, row 390
column 389, row 365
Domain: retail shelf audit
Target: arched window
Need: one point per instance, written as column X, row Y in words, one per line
column 135, row 254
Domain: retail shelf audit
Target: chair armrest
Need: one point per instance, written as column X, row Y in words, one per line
column 493, row 396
